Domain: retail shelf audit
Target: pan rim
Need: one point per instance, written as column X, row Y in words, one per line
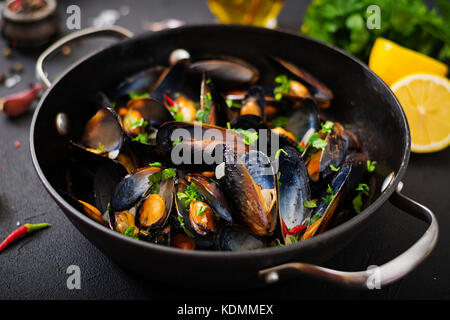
column 258, row 253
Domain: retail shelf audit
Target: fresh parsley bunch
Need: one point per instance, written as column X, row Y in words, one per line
column 407, row 22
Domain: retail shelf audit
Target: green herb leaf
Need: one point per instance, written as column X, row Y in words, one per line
column 141, row 137
column 201, row 210
column 130, row 233
column 250, row 137
column 319, row 143
column 233, row 104
column 176, row 142
column 277, row 155
column 279, row 122
column 155, row 164
column 309, row 204
column 101, row 147
column 371, row 166
column 157, row 177
column 357, row 202
column 333, row 168
column 188, row 233
column 327, row 126
column 314, row 219
column 284, row 87
column 137, row 123
column 364, row 188
column 134, row 95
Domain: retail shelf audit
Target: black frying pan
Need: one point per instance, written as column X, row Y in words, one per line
column 361, row 99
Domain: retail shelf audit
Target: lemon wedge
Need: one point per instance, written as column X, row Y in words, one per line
column 425, row 98
column 391, row 61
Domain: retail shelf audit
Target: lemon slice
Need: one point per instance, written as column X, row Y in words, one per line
column 425, row 98
column 391, row 61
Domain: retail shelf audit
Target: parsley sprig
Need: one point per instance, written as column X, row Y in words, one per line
column 190, row 194
column 363, row 189
column 283, row 88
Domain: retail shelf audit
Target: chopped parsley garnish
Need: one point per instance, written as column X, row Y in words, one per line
column 250, row 137
column 330, row 195
column 333, row 168
column 279, row 177
column 201, row 210
column 358, row 200
column 279, row 122
column 364, row 188
column 155, row 188
column 161, row 176
column 188, row 233
column 176, row 116
column 309, row 204
column 316, row 142
column 101, row 147
column 284, row 87
column 129, row 232
column 202, row 115
column 141, row 137
column 233, row 104
column 176, row 142
column 314, row 219
column 277, row 155
column 190, row 194
column 319, row 144
column 134, row 95
column 371, row 166
column 137, row 123
column 327, row 126
column 155, row 164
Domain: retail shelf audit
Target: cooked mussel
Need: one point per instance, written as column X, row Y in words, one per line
column 249, row 184
column 321, row 161
column 293, row 192
column 102, row 134
column 342, row 184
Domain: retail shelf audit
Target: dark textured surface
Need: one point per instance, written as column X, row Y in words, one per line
column 35, row 268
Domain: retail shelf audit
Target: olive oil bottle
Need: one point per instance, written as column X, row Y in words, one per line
column 261, row 13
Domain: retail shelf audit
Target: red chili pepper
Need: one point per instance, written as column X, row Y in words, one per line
column 169, row 101
column 303, row 143
column 20, row 232
column 297, row 229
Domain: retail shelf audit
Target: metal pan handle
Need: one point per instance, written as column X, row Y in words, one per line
column 110, row 30
column 387, row 273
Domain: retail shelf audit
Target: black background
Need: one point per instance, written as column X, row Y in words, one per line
column 35, row 268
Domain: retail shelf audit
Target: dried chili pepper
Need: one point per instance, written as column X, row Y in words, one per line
column 20, row 232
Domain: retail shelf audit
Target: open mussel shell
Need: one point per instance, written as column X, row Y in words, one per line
column 196, row 146
column 131, row 188
column 249, row 184
column 200, row 230
column 102, row 133
column 293, row 190
column 342, row 184
column 138, row 83
column 92, row 177
column 153, row 210
column 177, row 79
column 143, row 116
column 87, row 208
column 319, row 91
column 235, row 238
column 227, row 73
column 212, row 194
column 319, row 163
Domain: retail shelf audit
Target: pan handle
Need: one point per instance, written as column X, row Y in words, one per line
column 377, row 276
column 110, row 30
